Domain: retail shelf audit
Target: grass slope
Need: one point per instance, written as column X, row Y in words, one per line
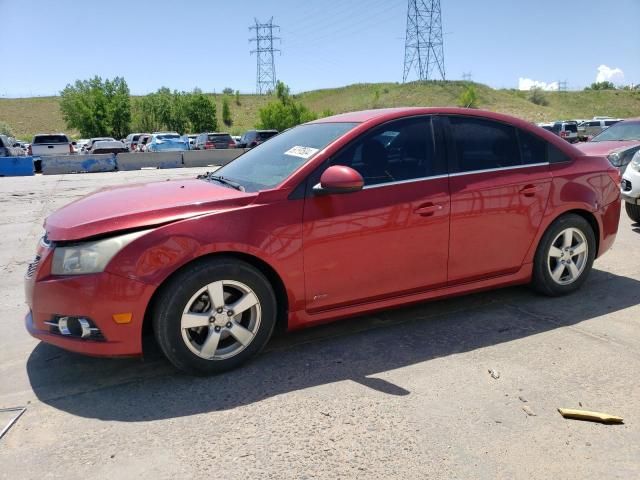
column 28, row 116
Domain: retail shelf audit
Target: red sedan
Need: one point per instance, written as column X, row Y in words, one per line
column 331, row 219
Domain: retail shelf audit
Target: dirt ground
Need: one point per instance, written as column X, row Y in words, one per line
column 399, row 394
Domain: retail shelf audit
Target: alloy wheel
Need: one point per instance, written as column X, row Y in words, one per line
column 221, row 320
column 568, row 256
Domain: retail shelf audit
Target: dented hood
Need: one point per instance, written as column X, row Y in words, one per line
column 138, row 206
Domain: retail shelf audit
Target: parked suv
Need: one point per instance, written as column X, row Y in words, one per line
column 209, row 141
column 131, row 142
column 253, row 138
column 567, row 130
column 597, row 125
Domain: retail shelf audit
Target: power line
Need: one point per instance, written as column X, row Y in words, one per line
column 424, row 47
column 266, row 67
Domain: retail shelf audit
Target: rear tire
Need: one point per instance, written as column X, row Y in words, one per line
column 214, row 316
column 564, row 257
column 633, row 211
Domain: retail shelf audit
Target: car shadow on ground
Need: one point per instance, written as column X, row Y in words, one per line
column 358, row 349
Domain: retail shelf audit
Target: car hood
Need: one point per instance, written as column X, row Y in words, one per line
column 138, row 206
column 605, row 148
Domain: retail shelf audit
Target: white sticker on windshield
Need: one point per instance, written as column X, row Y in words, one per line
column 302, row 152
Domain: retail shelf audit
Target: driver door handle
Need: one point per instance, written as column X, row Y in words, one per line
column 428, row 209
column 530, row 190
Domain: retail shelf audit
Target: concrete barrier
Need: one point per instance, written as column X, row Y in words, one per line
column 16, row 166
column 136, row 161
column 60, row 164
column 210, row 158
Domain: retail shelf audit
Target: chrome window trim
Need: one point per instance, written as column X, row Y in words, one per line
column 411, row 180
column 458, row 174
column 489, row 170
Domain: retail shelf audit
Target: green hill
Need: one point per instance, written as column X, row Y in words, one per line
column 28, row 116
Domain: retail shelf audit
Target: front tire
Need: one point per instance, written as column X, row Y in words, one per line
column 564, row 257
column 633, row 211
column 214, row 316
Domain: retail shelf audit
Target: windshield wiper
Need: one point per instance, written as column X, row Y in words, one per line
column 227, row 182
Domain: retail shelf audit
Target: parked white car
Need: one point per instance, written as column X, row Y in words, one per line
column 631, row 188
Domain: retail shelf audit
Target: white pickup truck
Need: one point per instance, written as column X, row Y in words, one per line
column 51, row 144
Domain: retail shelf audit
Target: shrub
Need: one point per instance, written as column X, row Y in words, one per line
column 5, row 129
column 285, row 112
column 226, row 113
column 537, row 97
column 468, row 98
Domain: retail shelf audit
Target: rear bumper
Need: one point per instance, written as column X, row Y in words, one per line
column 96, row 297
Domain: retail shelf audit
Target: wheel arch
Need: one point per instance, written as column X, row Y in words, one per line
column 282, row 300
column 585, row 214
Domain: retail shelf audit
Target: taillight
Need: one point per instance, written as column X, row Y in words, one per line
column 71, row 150
column 210, row 145
column 30, row 151
column 232, row 144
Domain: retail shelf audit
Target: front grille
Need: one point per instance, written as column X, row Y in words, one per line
column 33, row 267
column 626, row 185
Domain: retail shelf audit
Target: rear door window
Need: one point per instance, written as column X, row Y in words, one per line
column 571, row 127
column 482, row 144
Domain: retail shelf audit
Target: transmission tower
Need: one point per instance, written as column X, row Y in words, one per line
column 467, row 76
column 562, row 86
column 266, row 75
column 423, row 47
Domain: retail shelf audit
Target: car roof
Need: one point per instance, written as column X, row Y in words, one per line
column 386, row 114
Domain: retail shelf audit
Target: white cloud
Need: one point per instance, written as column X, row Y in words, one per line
column 608, row 74
column 528, row 84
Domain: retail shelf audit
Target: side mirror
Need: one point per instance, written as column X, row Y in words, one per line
column 339, row 179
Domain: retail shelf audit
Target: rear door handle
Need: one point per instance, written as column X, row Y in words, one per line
column 428, row 209
column 530, row 190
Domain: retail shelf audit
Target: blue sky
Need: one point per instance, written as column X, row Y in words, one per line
column 325, row 43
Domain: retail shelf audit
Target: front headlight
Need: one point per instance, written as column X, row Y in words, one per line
column 635, row 163
column 615, row 159
column 89, row 257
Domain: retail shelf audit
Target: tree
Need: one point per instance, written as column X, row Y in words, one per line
column 201, row 112
column 238, row 97
column 227, row 91
column 97, row 108
column 285, row 112
column 468, row 98
column 538, row 97
column 601, row 86
column 226, row 112
column 5, row 129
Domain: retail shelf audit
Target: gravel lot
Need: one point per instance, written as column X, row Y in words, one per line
column 400, row 394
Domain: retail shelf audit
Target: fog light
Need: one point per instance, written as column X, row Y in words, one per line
column 76, row 327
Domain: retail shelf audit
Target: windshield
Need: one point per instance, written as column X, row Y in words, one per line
column 619, row 132
column 270, row 163
column 168, row 137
